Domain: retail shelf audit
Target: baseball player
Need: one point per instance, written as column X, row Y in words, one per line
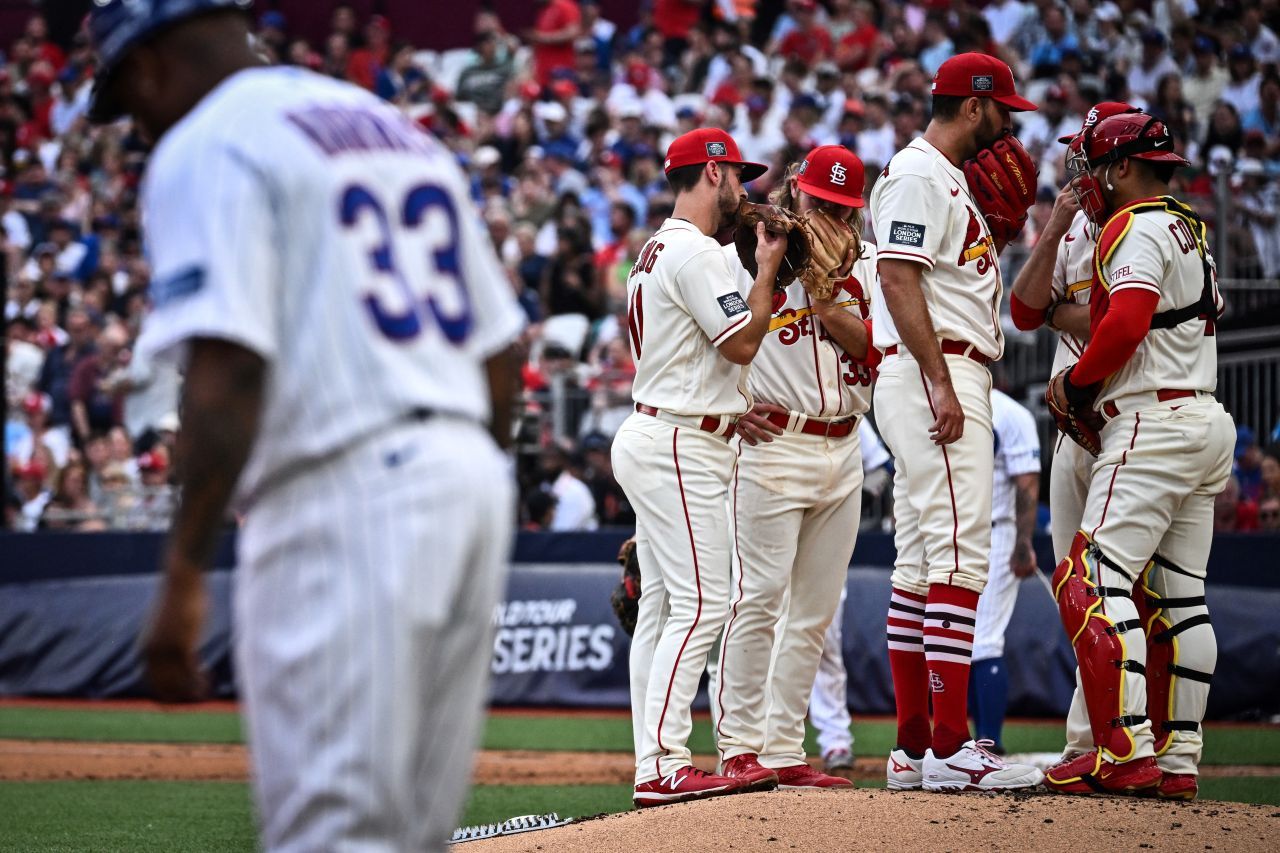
column 321, row 274
column 829, row 704
column 1131, row 589
column 936, row 318
column 692, row 334
column 1053, row 288
column 796, row 496
column 1015, row 497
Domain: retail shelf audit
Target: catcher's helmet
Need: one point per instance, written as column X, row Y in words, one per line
column 1134, row 134
column 117, row 26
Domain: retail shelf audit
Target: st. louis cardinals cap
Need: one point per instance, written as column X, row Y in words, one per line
column 1099, row 111
column 706, row 144
column 980, row 75
column 832, row 173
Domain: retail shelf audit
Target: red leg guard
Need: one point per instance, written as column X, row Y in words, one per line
column 1159, row 656
column 1099, row 643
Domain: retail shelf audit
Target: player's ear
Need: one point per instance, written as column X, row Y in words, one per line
column 974, row 109
column 713, row 173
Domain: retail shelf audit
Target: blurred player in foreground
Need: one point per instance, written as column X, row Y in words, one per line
column 321, row 275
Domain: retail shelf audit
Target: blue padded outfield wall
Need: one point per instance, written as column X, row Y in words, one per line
column 71, row 606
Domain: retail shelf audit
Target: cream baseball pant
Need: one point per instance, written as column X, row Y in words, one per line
column 829, row 704
column 795, row 504
column 942, row 494
column 364, row 605
column 1069, row 476
column 1151, row 493
column 677, row 480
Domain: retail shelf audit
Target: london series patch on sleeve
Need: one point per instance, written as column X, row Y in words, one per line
column 906, row 234
column 731, row 304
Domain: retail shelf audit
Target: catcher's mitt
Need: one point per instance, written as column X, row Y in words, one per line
column 818, row 244
column 1002, row 179
column 625, row 598
column 1072, row 410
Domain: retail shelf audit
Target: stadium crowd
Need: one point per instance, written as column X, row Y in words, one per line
column 562, row 130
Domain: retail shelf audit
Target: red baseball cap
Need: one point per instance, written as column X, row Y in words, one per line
column 705, row 145
column 152, row 461
column 832, row 173
column 980, row 75
column 1099, row 111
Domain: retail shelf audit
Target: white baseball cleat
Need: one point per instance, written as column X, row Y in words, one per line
column 973, row 768
column 903, row 773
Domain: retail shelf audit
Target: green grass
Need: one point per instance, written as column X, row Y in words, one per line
column 186, row 817
column 575, row 732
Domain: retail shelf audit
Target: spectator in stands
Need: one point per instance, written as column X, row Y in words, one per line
column 30, row 486
column 154, row 505
column 61, row 363
column 97, row 403
column 862, row 45
column 539, row 511
column 34, row 433
column 558, row 25
column 1054, row 37
column 1262, row 40
column 808, row 41
column 366, row 61
column 1231, row 513
column 559, row 473
column 1171, row 107
column 570, row 284
column 1265, row 118
column 611, row 502
column 399, row 80
column 1203, row 86
column 1243, row 90
column 484, row 81
column 1269, row 515
column 1271, row 471
column 1224, row 131
column 1248, row 467
column 1155, row 64
column 70, row 507
column 1257, row 212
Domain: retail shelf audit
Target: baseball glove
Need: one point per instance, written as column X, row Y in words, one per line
column 818, row 244
column 625, row 598
column 1072, row 409
column 1002, row 180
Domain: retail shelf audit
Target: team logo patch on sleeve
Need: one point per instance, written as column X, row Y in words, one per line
column 731, row 304
column 717, row 149
column 906, row 234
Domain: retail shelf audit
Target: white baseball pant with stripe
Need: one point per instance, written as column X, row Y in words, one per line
column 364, row 609
column 677, row 479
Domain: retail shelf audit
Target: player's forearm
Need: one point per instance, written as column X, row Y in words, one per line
column 503, row 369
column 1072, row 319
column 1034, row 284
column 222, row 403
column 848, row 330
column 905, row 301
column 1026, row 496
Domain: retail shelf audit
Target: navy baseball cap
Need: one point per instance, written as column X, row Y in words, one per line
column 117, row 26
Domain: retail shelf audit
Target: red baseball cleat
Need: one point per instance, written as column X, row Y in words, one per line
column 804, row 776
column 1089, row 774
column 687, row 783
column 1178, row 786
column 746, row 768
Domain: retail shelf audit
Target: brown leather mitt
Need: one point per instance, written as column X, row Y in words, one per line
column 1072, row 409
column 818, row 244
column 625, row 598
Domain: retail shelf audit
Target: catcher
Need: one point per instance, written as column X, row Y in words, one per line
column 1141, row 399
column 796, row 497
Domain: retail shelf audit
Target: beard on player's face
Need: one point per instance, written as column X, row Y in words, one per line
column 727, row 197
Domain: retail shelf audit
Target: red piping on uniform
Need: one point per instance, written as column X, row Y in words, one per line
column 955, row 514
column 1137, row 419
column 635, row 318
column 892, row 252
column 728, row 629
column 817, row 366
column 746, row 318
column 697, row 577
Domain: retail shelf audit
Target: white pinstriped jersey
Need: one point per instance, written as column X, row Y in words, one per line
column 922, row 212
column 1017, row 452
column 682, row 303
column 1072, row 276
column 1155, row 250
column 304, row 219
column 799, row 365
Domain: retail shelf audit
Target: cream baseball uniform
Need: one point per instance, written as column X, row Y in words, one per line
column 1017, row 452
column 338, row 242
column 795, row 503
column 1162, row 463
column 942, row 495
column 1072, row 465
column 682, row 301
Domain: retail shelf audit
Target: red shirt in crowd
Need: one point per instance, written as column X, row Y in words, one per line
column 855, row 50
column 674, row 18
column 808, row 46
column 554, row 17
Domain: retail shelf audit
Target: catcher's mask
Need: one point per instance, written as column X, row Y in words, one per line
column 1134, row 135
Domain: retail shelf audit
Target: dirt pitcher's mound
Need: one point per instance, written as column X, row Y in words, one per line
column 817, row 821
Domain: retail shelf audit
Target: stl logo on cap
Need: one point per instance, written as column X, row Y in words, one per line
column 717, row 149
column 838, row 174
column 983, row 83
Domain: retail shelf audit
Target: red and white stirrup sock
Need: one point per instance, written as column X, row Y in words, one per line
column 905, row 630
column 949, row 616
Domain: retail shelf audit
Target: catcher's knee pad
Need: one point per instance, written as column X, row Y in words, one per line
column 1182, row 650
column 1104, row 630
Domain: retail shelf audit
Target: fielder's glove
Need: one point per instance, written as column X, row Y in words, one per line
column 625, row 598
column 818, row 245
column 1073, row 412
column 1002, row 180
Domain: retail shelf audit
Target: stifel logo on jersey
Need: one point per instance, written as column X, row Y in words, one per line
column 977, row 246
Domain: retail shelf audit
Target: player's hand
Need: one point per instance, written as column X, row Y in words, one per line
column 847, row 266
column 1023, row 563
column 948, row 417
column 753, row 426
column 1065, row 207
column 171, row 638
column 770, row 248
